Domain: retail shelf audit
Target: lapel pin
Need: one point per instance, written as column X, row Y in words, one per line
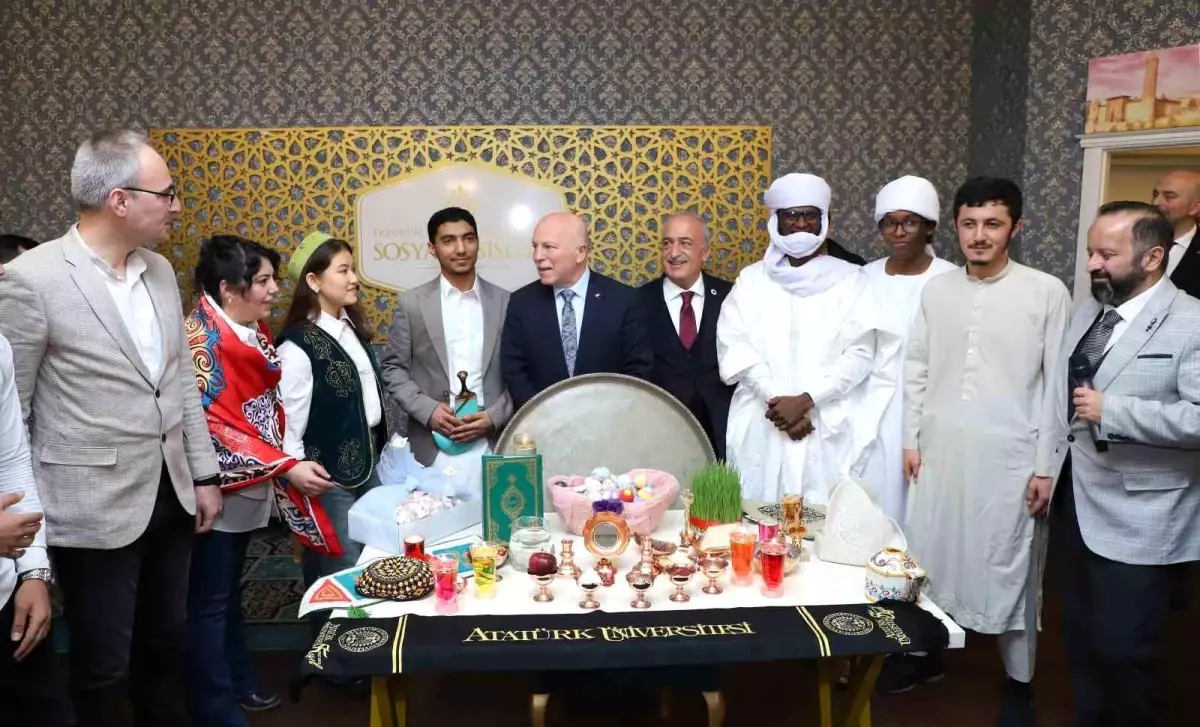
column 713, row 291
column 1152, row 322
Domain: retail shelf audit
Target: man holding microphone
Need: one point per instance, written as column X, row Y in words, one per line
column 1127, row 506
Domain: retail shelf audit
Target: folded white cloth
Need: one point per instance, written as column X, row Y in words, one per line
column 855, row 527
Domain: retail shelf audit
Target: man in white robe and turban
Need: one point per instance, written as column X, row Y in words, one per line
column 804, row 341
column 906, row 211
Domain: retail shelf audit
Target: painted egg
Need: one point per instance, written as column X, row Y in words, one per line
column 626, row 495
column 601, row 473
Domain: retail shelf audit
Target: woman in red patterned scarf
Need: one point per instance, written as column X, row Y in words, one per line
column 238, row 372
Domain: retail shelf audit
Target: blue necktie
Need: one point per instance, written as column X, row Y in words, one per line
column 570, row 336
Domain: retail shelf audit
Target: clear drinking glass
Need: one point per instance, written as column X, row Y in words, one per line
column 530, row 534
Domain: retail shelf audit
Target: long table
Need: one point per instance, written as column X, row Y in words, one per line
column 821, row 616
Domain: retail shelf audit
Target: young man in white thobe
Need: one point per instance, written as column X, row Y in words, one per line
column 906, row 211
column 984, row 412
column 804, row 341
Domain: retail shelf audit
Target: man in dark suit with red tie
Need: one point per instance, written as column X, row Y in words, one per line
column 571, row 320
column 682, row 308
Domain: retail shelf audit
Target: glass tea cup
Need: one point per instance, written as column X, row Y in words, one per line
column 741, row 554
column 772, row 555
column 447, row 583
column 483, row 563
column 768, row 529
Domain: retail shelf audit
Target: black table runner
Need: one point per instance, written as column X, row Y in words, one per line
column 598, row 640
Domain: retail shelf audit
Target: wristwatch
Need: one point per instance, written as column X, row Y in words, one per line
column 37, row 574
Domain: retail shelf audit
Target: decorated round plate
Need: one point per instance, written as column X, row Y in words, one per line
column 610, row 420
column 814, row 515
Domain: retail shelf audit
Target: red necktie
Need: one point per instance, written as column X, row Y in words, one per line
column 687, row 321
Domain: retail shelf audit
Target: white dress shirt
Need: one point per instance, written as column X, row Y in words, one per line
column 296, row 386
column 673, row 294
column 1179, row 249
column 16, row 475
column 132, row 299
column 245, row 334
column 1128, row 311
column 248, row 509
column 580, row 287
column 462, row 325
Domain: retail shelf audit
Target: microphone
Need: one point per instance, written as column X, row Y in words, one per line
column 1081, row 371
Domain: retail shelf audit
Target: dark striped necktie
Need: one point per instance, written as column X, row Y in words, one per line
column 1096, row 339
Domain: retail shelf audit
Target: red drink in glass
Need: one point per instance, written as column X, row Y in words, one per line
column 414, row 547
column 446, row 583
column 741, row 551
column 772, row 555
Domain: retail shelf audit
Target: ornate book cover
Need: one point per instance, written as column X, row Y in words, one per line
column 512, row 488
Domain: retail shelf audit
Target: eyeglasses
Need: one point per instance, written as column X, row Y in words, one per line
column 170, row 192
column 796, row 215
column 890, row 225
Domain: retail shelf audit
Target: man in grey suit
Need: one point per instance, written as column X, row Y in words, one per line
column 448, row 325
column 1127, row 507
column 121, row 453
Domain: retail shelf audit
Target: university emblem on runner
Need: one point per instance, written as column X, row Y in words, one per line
column 320, row 650
column 363, row 639
column 848, row 624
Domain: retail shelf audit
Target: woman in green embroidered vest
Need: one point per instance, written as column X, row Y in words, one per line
column 333, row 406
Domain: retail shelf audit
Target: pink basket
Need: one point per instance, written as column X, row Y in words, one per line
column 642, row 516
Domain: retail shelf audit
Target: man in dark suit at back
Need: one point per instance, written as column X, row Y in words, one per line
column 834, row 249
column 682, row 308
column 571, row 320
column 1177, row 196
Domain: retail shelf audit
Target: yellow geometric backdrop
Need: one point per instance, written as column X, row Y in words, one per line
column 277, row 185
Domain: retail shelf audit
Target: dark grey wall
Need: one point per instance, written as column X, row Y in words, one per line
column 999, row 87
column 1065, row 35
column 859, row 91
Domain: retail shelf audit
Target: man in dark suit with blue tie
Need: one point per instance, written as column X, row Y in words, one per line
column 682, row 308
column 571, row 320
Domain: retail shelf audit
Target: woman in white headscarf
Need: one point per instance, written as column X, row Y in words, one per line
column 906, row 211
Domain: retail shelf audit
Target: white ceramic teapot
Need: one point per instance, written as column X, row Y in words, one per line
column 894, row 575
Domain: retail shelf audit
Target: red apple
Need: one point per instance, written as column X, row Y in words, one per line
column 542, row 564
column 627, row 495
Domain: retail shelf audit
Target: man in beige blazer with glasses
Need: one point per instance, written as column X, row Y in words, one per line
column 121, row 452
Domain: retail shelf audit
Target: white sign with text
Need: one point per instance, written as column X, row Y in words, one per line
column 393, row 244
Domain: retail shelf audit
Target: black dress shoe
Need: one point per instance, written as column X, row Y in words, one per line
column 259, row 702
column 903, row 672
column 1016, row 705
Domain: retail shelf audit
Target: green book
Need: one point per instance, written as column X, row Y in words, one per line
column 512, row 488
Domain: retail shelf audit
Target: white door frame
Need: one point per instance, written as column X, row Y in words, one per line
column 1097, row 148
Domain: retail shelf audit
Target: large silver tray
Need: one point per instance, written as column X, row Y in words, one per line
column 610, row 420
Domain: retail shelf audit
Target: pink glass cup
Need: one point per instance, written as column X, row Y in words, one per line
column 741, row 553
column 767, row 530
column 772, row 555
column 447, row 583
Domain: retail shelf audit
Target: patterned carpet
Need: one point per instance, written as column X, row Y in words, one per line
column 272, row 587
column 272, row 583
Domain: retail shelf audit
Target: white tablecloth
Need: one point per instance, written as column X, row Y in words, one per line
column 814, row 583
